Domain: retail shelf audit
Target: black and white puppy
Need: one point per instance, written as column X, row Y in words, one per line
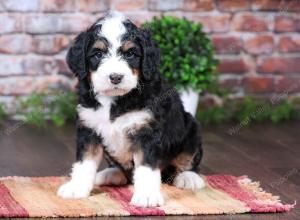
column 130, row 115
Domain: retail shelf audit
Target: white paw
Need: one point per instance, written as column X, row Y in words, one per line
column 110, row 176
column 147, row 200
column 189, row 180
column 74, row 190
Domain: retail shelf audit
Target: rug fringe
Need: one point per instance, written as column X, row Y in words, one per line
column 269, row 202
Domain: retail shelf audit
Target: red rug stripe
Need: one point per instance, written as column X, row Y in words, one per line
column 8, row 206
column 230, row 185
column 123, row 196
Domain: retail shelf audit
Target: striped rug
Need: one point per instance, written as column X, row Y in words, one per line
column 224, row 194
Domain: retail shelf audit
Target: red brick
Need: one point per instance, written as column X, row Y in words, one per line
column 50, row 44
column 232, row 84
column 10, row 23
column 236, row 5
column 276, row 5
column 58, row 5
column 215, row 24
column 259, row 84
column 288, row 84
column 63, row 67
column 93, row 5
column 39, row 65
column 15, row 44
column 232, row 65
column 250, row 22
column 287, row 23
column 16, row 85
column 227, row 44
column 204, row 20
column 289, row 43
column 261, row 44
column 52, row 82
column 11, row 65
column 127, row 5
column 24, row 6
column 166, row 5
column 196, row 5
column 24, row 85
column 139, row 17
column 279, row 64
column 220, row 23
column 31, row 65
column 54, row 23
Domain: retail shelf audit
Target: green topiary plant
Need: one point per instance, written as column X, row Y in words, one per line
column 187, row 53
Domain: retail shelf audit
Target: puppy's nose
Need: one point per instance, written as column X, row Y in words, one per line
column 115, row 78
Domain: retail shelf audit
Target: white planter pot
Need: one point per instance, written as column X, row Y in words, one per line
column 190, row 100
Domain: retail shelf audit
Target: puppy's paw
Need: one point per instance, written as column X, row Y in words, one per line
column 147, row 199
column 110, row 176
column 189, row 180
column 73, row 190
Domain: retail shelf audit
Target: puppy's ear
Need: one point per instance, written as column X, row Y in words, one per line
column 76, row 56
column 151, row 55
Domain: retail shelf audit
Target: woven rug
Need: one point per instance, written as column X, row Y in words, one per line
column 224, row 194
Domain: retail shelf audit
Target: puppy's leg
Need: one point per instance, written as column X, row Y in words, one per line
column 84, row 170
column 189, row 180
column 82, row 178
column 187, row 162
column 186, row 176
column 110, row 176
column 147, row 184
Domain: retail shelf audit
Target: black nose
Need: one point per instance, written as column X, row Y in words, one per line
column 115, row 78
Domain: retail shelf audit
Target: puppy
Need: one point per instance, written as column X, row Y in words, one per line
column 128, row 114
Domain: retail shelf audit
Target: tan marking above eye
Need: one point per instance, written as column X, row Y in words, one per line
column 100, row 45
column 127, row 45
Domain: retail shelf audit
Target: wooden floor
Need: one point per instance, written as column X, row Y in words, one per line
column 267, row 153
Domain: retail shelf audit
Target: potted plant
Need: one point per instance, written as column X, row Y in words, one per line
column 188, row 60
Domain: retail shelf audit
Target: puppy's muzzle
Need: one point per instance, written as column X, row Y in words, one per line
column 115, row 78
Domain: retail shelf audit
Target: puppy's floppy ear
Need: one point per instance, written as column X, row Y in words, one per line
column 151, row 54
column 76, row 56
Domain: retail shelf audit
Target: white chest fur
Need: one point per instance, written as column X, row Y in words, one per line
column 114, row 133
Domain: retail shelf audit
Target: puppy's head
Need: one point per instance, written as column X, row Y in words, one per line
column 114, row 55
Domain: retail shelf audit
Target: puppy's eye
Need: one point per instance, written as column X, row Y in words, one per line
column 129, row 54
column 98, row 54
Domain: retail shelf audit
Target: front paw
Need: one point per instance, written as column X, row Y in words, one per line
column 149, row 199
column 74, row 190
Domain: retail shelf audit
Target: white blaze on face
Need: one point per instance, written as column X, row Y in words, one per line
column 112, row 28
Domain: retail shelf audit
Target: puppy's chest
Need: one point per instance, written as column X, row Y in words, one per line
column 115, row 133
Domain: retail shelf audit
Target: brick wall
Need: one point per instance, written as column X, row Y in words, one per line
column 257, row 41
